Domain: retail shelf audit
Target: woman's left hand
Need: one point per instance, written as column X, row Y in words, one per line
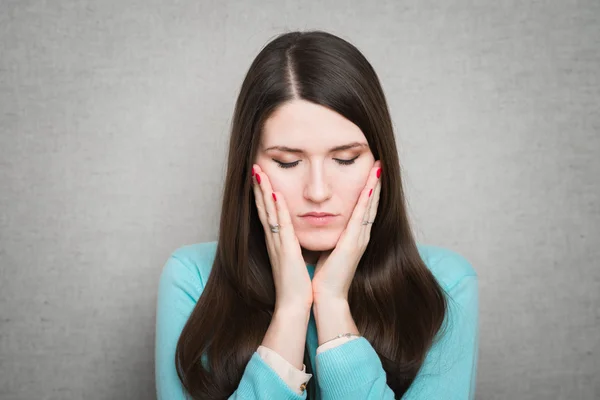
column 335, row 268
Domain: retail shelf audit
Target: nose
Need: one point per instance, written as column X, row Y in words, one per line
column 317, row 186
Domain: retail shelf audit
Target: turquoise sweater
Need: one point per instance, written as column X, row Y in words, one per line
column 350, row 371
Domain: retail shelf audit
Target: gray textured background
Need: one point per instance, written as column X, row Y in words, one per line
column 114, row 118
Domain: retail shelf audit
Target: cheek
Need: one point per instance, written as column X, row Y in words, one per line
column 281, row 183
column 349, row 188
column 288, row 188
column 348, row 191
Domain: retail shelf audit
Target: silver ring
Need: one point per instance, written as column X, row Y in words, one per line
column 274, row 228
column 367, row 222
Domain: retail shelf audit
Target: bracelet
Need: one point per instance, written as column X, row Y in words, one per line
column 341, row 335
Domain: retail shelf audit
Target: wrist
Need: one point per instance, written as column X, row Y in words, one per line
column 333, row 317
column 286, row 334
column 323, row 296
column 330, row 302
column 292, row 311
column 331, row 306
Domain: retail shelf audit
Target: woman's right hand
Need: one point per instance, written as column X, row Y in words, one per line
column 293, row 286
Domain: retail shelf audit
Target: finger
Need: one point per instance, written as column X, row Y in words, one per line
column 371, row 211
column 262, row 212
column 355, row 224
column 269, row 205
column 286, row 232
column 372, row 196
column 373, row 180
column 374, row 201
column 363, row 211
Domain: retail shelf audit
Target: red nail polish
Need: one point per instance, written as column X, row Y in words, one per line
column 274, row 197
column 371, row 191
column 258, row 178
column 378, row 172
column 252, row 171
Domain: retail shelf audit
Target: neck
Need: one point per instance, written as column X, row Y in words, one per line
column 310, row 256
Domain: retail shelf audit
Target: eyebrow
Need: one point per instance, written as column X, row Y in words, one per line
column 337, row 148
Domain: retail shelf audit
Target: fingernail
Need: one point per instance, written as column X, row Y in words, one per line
column 274, row 197
column 371, row 191
column 252, row 171
column 258, row 178
column 379, row 172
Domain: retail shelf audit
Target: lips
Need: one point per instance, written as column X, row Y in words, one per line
column 318, row 214
column 319, row 219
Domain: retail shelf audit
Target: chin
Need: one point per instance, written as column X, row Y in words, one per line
column 318, row 240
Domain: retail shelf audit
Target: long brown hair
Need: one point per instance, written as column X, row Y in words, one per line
column 396, row 302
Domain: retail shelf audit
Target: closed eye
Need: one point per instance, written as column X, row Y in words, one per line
column 293, row 164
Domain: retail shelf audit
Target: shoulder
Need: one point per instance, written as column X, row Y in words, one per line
column 448, row 266
column 459, row 280
column 191, row 261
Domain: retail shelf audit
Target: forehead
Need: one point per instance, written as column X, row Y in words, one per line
column 300, row 123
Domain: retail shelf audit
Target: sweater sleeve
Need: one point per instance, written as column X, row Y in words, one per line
column 334, row 343
column 179, row 289
column 353, row 370
column 292, row 376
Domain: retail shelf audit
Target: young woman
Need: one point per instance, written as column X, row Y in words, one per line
column 316, row 287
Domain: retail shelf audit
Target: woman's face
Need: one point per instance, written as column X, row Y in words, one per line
column 317, row 178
